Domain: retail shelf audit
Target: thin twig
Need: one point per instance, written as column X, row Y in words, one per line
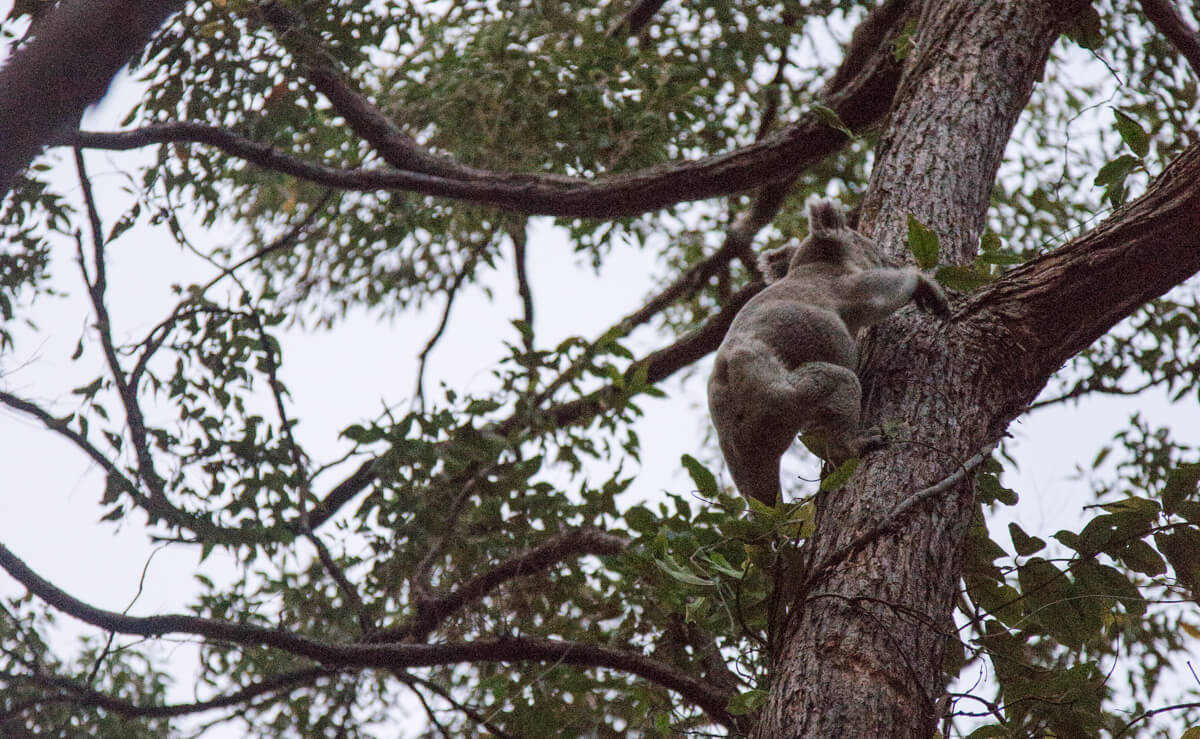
column 348, row 591
column 466, row 710
column 80, row 694
column 159, row 333
column 468, row 268
column 125, row 391
column 893, row 518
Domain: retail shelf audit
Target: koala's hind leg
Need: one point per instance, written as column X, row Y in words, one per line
column 825, row 399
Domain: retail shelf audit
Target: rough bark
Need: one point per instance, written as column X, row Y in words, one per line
column 75, row 52
column 860, row 653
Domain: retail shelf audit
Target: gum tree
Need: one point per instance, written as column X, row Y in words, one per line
column 487, row 552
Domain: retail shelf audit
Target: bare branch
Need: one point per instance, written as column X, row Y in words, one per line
column 60, row 427
column 782, row 154
column 1172, row 25
column 870, row 87
column 520, row 238
column 326, row 74
column 1144, row 249
column 389, row 656
column 125, row 391
column 159, row 333
column 537, row 560
column 658, row 365
column 468, row 267
column 466, row 710
column 73, row 692
column 423, row 573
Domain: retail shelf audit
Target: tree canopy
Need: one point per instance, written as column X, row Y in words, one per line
column 484, row 555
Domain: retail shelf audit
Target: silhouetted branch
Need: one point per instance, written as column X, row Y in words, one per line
column 858, row 99
column 326, row 74
column 79, row 694
column 1172, row 25
column 636, row 18
column 535, row 561
column 390, row 656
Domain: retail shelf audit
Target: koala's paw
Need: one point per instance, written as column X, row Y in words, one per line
column 870, row 440
column 930, row 297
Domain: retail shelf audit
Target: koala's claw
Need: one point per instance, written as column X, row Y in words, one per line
column 871, row 440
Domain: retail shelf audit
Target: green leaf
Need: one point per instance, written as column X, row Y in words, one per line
column 641, row 520
column 668, row 565
column 695, row 609
column 718, row 562
column 963, row 279
column 1085, row 29
column 1097, row 579
column 1181, row 484
column 360, row 434
column 705, row 481
column 1190, row 510
column 744, row 703
column 830, row 118
column 1024, row 543
column 904, row 40
column 1143, row 507
column 1134, row 136
column 89, row 390
column 1141, row 557
column 923, row 243
column 1068, row 538
column 1181, row 547
column 992, row 731
column 1114, row 173
column 840, row 476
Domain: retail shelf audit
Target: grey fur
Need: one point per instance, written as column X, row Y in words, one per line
column 787, row 362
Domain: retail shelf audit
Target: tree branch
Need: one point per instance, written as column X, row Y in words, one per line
column 859, row 100
column 127, row 393
column 1172, row 25
column 471, row 713
column 77, row 693
column 432, row 612
column 1143, row 250
column 636, row 18
column 468, row 268
column 75, row 52
column 658, row 365
column 866, row 91
column 326, row 74
column 389, row 656
column 892, row 519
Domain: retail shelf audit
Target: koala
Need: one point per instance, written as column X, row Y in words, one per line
column 787, row 363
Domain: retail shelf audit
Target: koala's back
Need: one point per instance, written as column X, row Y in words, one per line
column 798, row 325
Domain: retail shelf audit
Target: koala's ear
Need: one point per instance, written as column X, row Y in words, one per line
column 774, row 264
column 825, row 217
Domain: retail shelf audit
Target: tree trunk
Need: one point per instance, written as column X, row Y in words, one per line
column 860, row 653
column 75, row 52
